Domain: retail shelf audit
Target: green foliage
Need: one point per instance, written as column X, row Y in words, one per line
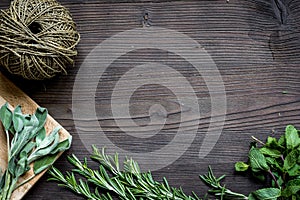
column 28, row 143
column 128, row 184
column 280, row 160
column 241, row 166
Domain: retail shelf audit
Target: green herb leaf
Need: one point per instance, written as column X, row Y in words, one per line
column 272, row 143
column 29, row 143
column 292, row 137
column 22, row 166
column 40, row 136
column 267, row 193
column 6, row 116
column 270, row 152
column 292, row 187
column 291, row 160
column 43, row 163
column 241, row 167
column 257, row 160
column 274, row 163
column 62, row 146
column 294, row 171
column 18, row 119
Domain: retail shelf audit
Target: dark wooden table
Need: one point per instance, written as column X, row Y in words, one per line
column 255, row 46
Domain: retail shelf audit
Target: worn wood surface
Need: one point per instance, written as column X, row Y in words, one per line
column 255, row 45
column 14, row 96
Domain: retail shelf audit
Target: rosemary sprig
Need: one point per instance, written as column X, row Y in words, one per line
column 217, row 189
column 129, row 184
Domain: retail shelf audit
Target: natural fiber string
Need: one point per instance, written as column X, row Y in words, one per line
column 37, row 39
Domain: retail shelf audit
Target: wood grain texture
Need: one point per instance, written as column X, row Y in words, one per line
column 255, row 45
column 14, row 96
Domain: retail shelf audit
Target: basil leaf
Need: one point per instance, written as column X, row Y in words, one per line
column 267, row 193
column 257, row 160
column 294, row 171
column 290, row 160
column 273, row 162
column 292, row 187
column 292, row 137
column 43, row 163
column 272, row 143
column 6, row 116
column 241, row 167
column 259, row 176
column 251, row 197
column 270, row 152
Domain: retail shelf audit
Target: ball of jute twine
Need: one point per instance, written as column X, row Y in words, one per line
column 37, row 39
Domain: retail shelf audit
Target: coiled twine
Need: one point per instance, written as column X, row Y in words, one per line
column 37, row 39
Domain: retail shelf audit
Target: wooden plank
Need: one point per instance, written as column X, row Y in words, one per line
column 14, row 96
column 257, row 56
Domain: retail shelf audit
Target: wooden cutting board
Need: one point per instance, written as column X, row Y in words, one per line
column 14, row 96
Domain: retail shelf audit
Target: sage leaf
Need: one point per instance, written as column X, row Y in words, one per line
column 49, row 139
column 267, row 193
column 18, row 119
column 6, row 116
column 46, row 146
column 41, row 114
column 241, row 167
column 292, row 137
column 12, row 165
column 29, row 147
column 40, row 136
column 62, row 146
column 29, row 143
column 257, row 160
column 43, row 163
column 22, row 166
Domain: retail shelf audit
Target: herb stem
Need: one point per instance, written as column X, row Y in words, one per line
column 282, row 158
column 257, row 140
column 6, row 186
column 274, row 178
column 24, row 182
column 8, row 145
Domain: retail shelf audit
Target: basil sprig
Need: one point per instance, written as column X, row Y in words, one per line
column 27, row 143
column 278, row 159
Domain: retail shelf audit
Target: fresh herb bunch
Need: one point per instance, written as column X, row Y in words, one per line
column 278, row 160
column 27, row 143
